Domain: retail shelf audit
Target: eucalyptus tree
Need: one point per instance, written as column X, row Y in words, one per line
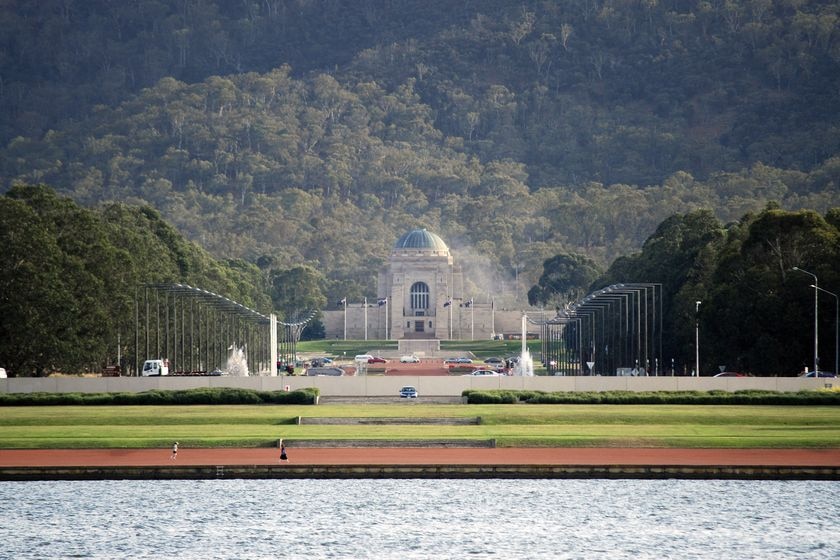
column 758, row 315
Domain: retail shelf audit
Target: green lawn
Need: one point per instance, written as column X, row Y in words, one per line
column 509, row 425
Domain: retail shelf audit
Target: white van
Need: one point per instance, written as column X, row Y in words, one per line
column 363, row 358
column 155, row 367
column 2, row 373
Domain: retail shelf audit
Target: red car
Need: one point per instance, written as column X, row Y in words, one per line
column 377, row 360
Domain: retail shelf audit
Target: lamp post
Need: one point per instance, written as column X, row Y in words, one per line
column 697, row 338
column 836, row 324
column 816, row 317
column 344, row 303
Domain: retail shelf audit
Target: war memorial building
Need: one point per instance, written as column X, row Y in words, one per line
column 421, row 296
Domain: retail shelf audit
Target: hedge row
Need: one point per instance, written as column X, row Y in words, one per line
column 751, row 397
column 205, row 395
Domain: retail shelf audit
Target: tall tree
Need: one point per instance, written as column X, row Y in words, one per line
column 565, row 278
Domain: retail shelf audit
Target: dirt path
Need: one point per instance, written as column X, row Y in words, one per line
column 425, row 456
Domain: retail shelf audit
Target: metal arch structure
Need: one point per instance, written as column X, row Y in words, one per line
column 194, row 329
column 616, row 330
column 561, row 344
column 287, row 344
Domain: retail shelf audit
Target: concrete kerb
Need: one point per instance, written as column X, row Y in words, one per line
column 427, row 386
column 209, row 472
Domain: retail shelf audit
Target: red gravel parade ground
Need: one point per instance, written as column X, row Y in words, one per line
column 422, row 456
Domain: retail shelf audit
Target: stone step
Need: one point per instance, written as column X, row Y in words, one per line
column 332, row 421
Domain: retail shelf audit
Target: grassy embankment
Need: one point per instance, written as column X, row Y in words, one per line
column 509, row 425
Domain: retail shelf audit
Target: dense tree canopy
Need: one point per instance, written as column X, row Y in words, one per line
column 68, row 277
column 756, row 312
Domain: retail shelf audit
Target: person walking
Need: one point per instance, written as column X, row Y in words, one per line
column 283, row 456
column 174, row 451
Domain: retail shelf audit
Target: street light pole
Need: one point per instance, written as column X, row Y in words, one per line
column 344, row 302
column 836, row 324
column 816, row 318
column 697, row 338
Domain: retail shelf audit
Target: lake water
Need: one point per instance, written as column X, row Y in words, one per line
column 398, row 519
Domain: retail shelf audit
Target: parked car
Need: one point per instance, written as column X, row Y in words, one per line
column 730, row 374
column 450, row 361
column 377, row 360
column 408, row 392
column 486, row 373
column 2, row 373
column 362, row 358
column 409, row 360
column 827, row 374
column 493, row 360
column 463, row 361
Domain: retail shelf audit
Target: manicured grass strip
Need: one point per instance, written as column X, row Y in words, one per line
column 509, row 425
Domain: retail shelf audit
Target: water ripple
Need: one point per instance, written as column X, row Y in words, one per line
column 570, row 519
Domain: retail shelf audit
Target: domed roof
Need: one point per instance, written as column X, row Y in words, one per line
column 423, row 240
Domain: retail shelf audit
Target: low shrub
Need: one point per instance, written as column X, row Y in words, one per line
column 204, row 395
column 750, row 397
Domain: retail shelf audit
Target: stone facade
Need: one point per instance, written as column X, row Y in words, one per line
column 420, row 295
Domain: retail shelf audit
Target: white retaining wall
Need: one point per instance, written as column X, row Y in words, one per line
column 383, row 386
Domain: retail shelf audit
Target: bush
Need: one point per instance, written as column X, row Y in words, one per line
column 751, row 397
column 204, row 395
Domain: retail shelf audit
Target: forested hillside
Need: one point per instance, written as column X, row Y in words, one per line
column 312, row 131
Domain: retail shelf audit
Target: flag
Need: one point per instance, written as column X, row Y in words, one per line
column 448, row 303
column 468, row 303
column 342, row 301
column 382, row 301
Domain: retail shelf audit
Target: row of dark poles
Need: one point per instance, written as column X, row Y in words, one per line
column 195, row 329
column 288, row 339
column 615, row 330
column 561, row 346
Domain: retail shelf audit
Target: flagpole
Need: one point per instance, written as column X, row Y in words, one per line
column 365, row 317
column 387, row 337
column 450, row 318
column 344, row 301
column 493, row 315
column 472, row 320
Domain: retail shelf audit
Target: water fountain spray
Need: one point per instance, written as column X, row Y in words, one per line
column 237, row 363
column 525, row 367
